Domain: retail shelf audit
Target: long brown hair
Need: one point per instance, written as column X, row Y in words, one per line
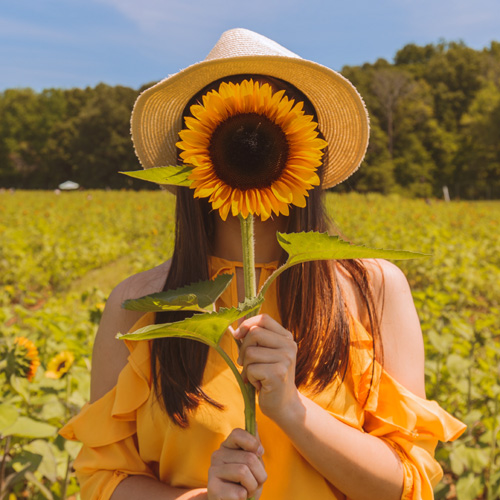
column 310, row 299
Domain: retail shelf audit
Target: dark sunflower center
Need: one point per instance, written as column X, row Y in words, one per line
column 61, row 365
column 248, row 151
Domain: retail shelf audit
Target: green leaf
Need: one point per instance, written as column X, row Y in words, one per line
column 207, row 328
column 469, row 487
column 172, row 175
column 20, row 385
column 464, row 458
column 29, row 461
column 441, row 491
column 48, row 464
column 52, row 409
column 193, row 297
column 457, row 365
column 440, row 342
column 8, row 416
column 43, row 489
column 27, row 427
column 472, row 418
column 303, row 247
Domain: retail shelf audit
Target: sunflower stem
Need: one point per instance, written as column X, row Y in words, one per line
column 248, row 250
column 247, row 244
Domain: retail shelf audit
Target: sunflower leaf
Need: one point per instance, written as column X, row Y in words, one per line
column 27, row 427
column 207, row 328
column 194, row 297
column 172, row 175
column 8, row 416
column 305, row 247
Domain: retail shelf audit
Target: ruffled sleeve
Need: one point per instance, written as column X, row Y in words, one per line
column 412, row 426
column 107, row 428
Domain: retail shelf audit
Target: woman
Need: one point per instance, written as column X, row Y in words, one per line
column 336, row 353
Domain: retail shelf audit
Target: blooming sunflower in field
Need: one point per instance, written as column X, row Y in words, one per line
column 253, row 151
column 26, row 357
column 59, row 365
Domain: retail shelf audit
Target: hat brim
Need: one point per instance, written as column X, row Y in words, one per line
column 342, row 116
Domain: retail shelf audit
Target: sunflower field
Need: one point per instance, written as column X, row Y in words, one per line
column 62, row 253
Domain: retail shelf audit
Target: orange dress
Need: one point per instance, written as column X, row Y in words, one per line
column 127, row 433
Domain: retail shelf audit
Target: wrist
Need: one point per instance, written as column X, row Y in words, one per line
column 291, row 413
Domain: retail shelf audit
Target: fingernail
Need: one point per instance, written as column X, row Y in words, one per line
column 260, row 451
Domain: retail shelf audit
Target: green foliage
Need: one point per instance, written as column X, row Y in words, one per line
column 51, row 292
column 81, row 135
column 194, row 297
column 61, row 255
column 207, row 327
column 303, row 247
column 423, row 109
column 173, row 175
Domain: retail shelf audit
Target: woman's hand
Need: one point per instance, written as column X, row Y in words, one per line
column 268, row 356
column 236, row 471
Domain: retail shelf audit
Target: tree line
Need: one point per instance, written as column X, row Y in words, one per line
column 434, row 116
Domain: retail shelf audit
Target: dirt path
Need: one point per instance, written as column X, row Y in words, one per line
column 104, row 278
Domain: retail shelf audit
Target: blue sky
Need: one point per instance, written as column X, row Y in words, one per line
column 78, row 43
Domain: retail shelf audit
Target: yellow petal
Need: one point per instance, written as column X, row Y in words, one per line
column 193, row 138
column 282, row 192
column 224, row 210
column 235, row 202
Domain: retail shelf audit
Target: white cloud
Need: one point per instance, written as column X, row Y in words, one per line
column 474, row 22
column 176, row 16
column 163, row 17
column 22, row 30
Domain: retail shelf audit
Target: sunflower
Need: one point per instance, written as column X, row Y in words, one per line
column 26, row 357
column 59, row 365
column 253, row 151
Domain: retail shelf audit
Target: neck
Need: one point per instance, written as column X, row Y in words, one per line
column 228, row 239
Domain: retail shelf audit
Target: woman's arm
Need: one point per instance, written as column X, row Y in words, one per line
column 109, row 355
column 358, row 464
column 145, row 487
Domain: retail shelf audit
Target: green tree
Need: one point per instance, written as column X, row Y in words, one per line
column 480, row 152
column 454, row 75
column 20, row 132
column 94, row 144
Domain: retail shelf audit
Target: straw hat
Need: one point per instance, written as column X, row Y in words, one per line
column 342, row 116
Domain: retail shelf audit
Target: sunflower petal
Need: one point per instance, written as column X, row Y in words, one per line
column 224, row 210
column 281, row 192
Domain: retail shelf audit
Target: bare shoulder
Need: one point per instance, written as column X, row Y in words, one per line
column 388, row 283
column 399, row 324
column 140, row 284
column 109, row 354
column 402, row 339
